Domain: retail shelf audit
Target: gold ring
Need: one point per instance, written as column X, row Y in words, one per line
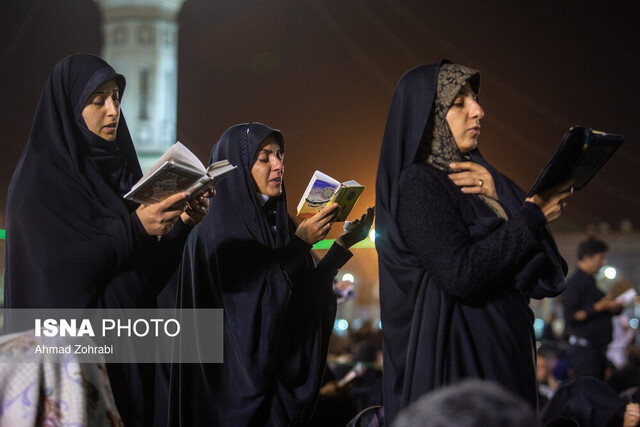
column 480, row 183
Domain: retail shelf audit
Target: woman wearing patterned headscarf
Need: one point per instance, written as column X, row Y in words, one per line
column 460, row 249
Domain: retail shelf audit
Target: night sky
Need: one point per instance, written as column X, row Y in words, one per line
column 323, row 72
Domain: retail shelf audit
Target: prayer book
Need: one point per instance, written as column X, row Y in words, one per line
column 178, row 170
column 581, row 154
column 323, row 191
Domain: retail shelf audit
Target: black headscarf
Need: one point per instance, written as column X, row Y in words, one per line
column 276, row 325
column 72, row 241
column 67, row 226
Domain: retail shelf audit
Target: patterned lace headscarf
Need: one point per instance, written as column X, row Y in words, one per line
column 440, row 145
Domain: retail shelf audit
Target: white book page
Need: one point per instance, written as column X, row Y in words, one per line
column 180, row 154
column 216, row 165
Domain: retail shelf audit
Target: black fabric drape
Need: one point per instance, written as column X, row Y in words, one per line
column 72, row 241
column 421, row 320
column 66, row 226
column 278, row 309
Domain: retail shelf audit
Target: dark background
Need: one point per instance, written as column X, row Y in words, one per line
column 324, row 71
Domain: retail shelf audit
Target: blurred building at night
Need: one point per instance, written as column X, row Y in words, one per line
column 140, row 40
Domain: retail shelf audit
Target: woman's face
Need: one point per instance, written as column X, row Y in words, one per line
column 268, row 168
column 463, row 118
column 101, row 113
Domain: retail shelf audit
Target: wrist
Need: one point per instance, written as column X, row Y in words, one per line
column 301, row 233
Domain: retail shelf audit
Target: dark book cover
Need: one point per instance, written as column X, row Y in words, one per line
column 581, row 154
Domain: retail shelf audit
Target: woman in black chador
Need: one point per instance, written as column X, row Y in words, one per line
column 460, row 250
column 72, row 240
column 248, row 258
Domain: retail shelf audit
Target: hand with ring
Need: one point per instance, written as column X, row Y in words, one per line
column 314, row 229
column 473, row 178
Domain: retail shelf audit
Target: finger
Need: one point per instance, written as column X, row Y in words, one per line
column 564, row 187
column 461, row 176
column 365, row 218
column 199, row 209
column 558, row 198
column 199, row 202
column 327, row 211
column 169, row 201
column 323, row 218
column 465, row 166
column 209, row 193
column 474, row 189
column 324, row 230
column 169, row 217
column 195, row 214
column 370, row 217
column 465, row 179
column 321, row 224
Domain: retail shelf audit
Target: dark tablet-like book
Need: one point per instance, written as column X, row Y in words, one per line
column 178, row 170
column 581, row 154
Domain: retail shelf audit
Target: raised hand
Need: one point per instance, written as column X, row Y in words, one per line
column 314, row 229
column 552, row 201
column 358, row 230
column 197, row 209
column 474, row 179
column 158, row 219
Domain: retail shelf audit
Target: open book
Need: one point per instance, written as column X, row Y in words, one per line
column 177, row 170
column 581, row 154
column 324, row 190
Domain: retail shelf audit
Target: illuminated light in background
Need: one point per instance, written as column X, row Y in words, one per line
column 372, row 235
column 340, row 327
column 634, row 323
column 538, row 327
column 380, row 324
column 356, row 324
column 610, row 272
column 348, row 277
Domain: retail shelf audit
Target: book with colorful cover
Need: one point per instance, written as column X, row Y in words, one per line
column 324, row 190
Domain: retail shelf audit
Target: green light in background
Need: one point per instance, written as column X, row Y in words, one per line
column 326, row 244
column 322, row 244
